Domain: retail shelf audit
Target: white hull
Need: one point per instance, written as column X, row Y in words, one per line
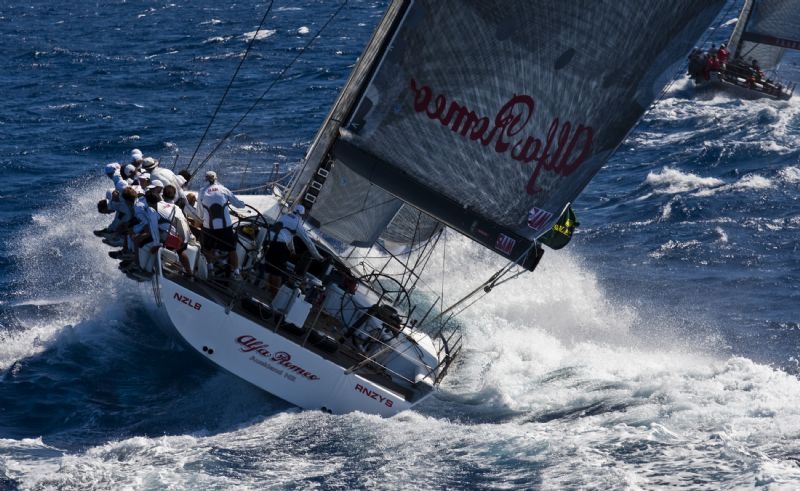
column 270, row 361
column 317, row 353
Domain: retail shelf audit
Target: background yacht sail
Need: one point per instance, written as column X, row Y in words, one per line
column 766, row 28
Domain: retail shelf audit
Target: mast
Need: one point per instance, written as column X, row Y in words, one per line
column 735, row 42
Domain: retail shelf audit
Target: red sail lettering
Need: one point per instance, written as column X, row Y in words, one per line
column 555, row 155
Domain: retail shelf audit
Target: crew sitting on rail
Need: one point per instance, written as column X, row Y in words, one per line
column 164, row 175
column 713, row 65
column 282, row 246
column 179, row 227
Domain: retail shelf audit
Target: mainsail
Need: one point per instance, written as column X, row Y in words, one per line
column 766, row 28
column 492, row 116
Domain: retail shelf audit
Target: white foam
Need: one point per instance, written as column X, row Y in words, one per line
column 63, row 267
column 672, row 245
column 673, row 181
column 766, row 124
column 723, row 237
column 790, row 174
column 258, row 35
column 218, row 39
column 559, row 385
column 746, row 183
column 303, row 30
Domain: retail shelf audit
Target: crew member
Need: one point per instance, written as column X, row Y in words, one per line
column 722, row 54
column 281, row 245
column 164, row 175
column 217, row 225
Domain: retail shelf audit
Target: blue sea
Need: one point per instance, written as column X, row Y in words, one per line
column 660, row 349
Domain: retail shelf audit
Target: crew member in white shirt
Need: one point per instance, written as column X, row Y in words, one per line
column 217, row 225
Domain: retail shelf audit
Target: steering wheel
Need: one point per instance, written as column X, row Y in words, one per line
column 389, row 288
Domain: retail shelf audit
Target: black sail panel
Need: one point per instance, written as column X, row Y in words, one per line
column 491, row 116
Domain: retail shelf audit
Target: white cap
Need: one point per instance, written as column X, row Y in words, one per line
column 111, row 168
column 155, row 184
column 136, row 154
column 299, row 209
column 149, row 163
column 130, row 169
column 211, row 176
column 181, row 180
column 144, row 175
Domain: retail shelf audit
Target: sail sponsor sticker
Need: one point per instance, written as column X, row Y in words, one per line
column 504, row 243
column 538, row 218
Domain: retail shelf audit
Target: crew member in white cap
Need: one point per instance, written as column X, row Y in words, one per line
column 166, row 176
column 137, row 159
column 109, row 204
column 292, row 226
column 217, row 225
column 156, row 186
column 281, row 245
column 112, row 170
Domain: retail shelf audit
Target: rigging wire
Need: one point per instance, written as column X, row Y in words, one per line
column 444, row 262
column 269, row 88
column 230, row 84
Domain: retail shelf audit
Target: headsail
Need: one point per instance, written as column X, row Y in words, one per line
column 766, row 28
column 491, row 116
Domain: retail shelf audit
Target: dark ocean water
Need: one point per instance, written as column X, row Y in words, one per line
column 660, row 349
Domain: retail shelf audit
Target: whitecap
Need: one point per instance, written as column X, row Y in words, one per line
column 673, row 245
column 258, row 35
column 218, row 39
column 673, row 181
column 303, row 30
column 790, row 174
column 59, row 107
column 723, row 237
column 746, row 183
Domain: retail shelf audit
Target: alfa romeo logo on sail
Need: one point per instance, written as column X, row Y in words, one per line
column 556, row 154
